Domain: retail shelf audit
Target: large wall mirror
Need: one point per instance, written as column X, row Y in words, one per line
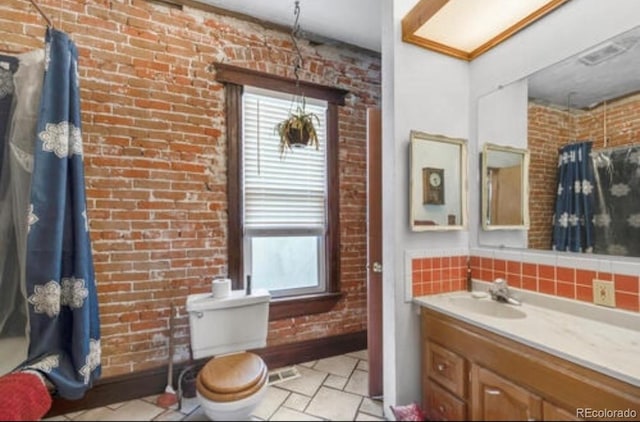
column 505, row 188
column 437, row 182
column 583, row 118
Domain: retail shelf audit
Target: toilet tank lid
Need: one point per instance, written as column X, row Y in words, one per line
column 206, row 301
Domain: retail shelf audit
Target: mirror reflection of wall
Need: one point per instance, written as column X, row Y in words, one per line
column 505, row 188
column 502, row 120
column 437, row 173
column 593, row 96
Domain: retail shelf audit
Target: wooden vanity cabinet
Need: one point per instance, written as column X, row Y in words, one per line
column 495, row 398
column 552, row 412
column 469, row 373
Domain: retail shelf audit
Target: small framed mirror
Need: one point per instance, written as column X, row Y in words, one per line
column 438, row 182
column 505, row 188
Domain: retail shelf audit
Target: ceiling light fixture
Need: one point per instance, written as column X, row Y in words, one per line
column 467, row 28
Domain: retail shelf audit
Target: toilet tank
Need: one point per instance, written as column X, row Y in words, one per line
column 225, row 325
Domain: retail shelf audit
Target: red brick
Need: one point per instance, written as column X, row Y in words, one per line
column 154, row 123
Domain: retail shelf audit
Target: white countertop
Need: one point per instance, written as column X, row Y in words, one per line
column 603, row 339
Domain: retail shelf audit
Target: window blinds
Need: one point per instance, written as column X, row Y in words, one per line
column 280, row 193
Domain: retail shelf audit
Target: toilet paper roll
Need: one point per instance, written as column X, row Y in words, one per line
column 221, row 287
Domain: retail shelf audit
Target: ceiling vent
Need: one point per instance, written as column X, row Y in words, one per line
column 601, row 54
column 607, row 51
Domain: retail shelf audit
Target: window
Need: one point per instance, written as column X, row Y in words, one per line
column 285, row 200
column 311, row 250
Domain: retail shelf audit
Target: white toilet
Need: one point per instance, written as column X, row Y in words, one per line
column 232, row 384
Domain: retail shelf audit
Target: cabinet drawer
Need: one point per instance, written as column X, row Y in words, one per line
column 446, row 367
column 442, row 405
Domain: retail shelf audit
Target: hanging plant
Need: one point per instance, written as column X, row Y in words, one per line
column 298, row 130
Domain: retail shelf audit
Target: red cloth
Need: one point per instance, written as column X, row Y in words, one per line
column 23, row 397
column 409, row 412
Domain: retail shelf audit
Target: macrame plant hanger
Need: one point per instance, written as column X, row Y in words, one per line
column 298, row 128
column 297, row 61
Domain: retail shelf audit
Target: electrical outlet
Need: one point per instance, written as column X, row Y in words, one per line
column 604, row 293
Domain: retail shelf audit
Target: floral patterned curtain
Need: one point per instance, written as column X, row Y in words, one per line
column 617, row 215
column 573, row 218
column 60, row 288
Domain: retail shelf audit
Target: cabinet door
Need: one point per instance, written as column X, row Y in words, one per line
column 551, row 412
column 493, row 398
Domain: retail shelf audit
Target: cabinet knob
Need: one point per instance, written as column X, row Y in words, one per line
column 492, row 391
column 441, row 367
column 442, row 409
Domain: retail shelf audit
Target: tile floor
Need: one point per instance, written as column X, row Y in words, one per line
column 327, row 389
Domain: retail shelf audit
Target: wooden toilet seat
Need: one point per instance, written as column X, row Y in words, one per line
column 232, row 377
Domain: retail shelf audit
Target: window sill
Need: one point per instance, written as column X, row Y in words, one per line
column 289, row 307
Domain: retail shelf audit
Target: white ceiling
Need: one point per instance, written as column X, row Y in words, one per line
column 572, row 84
column 357, row 22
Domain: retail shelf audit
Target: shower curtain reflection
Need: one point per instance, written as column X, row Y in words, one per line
column 573, row 218
column 617, row 201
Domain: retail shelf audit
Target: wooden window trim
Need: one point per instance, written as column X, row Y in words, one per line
column 235, row 78
column 229, row 74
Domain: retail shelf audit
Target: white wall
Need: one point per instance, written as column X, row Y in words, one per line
column 500, row 120
column 428, row 92
column 434, row 93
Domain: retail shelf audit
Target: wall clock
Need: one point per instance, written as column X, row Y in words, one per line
column 432, row 186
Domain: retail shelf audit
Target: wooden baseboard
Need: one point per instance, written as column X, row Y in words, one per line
column 153, row 381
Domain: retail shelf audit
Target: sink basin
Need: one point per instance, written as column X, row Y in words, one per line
column 488, row 307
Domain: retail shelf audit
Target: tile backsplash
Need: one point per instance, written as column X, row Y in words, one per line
column 566, row 276
column 433, row 275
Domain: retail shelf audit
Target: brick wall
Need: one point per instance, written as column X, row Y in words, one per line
column 155, row 159
column 550, row 128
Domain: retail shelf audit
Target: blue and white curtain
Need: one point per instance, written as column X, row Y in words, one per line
column 59, row 285
column 573, row 218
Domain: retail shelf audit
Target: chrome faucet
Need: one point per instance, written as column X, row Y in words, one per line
column 499, row 291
